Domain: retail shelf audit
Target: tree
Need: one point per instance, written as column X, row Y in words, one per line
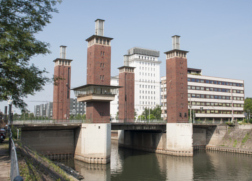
column 20, row 21
column 151, row 117
column 157, row 112
column 154, row 113
column 248, row 105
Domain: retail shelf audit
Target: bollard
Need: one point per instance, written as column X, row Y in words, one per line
column 18, row 178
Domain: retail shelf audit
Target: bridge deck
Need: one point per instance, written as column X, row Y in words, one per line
column 72, row 124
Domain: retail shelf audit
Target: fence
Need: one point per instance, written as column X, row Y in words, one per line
column 20, row 122
column 154, row 121
column 14, row 172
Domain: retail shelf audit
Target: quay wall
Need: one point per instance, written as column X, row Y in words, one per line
column 50, row 142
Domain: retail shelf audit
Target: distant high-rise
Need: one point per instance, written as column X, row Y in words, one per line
column 147, row 79
column 61, row 90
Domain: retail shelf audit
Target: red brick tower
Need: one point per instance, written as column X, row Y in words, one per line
column 61, row 89
column 97, row 93
column 126, row 93
column 176, row 84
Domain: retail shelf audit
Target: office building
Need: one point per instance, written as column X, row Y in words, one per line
column 210, row 98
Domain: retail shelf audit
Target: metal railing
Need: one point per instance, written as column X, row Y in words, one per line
column 208, row 122
column 20, row 122
column 14, row 172
column 154, row 121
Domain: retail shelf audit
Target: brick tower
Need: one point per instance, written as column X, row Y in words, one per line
column 98, row 93
column 61, row 89
column 176, row 83
column 96, row 129
column 126, row 93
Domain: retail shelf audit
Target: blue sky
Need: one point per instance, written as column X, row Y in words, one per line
column 217, row 34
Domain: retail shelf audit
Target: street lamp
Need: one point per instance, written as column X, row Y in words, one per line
column 10, row 104
column 190, row 106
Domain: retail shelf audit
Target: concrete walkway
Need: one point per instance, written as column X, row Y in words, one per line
column 5, row 163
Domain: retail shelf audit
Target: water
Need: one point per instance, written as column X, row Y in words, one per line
column 133, row 165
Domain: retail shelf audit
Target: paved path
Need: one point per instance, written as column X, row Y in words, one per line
column 5, row 163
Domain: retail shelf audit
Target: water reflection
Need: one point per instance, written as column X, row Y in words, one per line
column 213, row 165
column 127, row 164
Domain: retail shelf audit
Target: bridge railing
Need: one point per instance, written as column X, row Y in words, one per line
column 154, row 121
column 20, row 122
column 208, row 122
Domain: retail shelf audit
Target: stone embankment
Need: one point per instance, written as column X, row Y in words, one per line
column 238, row 139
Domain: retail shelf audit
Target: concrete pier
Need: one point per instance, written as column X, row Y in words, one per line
column 179, row 139
column 93, row 143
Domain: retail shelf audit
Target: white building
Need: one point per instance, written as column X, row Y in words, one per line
column 147, row 79
column 211, row 98
column 114, row 105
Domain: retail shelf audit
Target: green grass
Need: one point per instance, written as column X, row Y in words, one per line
column 235, row 143
column 246, row 137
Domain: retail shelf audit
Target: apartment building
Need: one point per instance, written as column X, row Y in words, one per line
column 210, row 98
column 46, row 110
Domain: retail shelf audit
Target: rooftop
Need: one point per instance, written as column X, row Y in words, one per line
column 143, row 51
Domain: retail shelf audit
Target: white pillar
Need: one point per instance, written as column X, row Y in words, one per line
column 95, row 143
column 179, row 139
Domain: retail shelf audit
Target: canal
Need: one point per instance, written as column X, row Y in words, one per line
column 133, row 165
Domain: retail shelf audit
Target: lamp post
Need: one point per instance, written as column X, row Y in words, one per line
column 190, row 106
column 9, row 122
column 248, row 113
column 10, row 105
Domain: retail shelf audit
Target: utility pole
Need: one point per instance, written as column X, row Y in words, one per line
column 149, row 114
column 9, row 122
column 190, row 110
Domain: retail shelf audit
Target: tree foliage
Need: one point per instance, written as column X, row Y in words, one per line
column 20, row 21
column 248, row 105
column 154, row 113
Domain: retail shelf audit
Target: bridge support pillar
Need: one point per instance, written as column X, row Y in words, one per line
column 179, row 139
column 121, row 137
column 93, row 144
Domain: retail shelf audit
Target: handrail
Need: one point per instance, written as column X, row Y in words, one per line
column 14, row 172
